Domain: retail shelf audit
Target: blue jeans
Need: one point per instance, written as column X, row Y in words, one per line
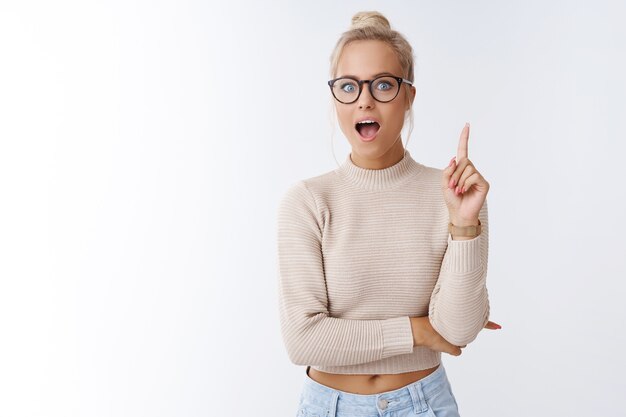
column 430, row 396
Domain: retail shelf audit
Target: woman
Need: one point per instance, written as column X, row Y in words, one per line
column 382, row 261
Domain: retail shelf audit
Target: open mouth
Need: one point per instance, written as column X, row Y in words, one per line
column 367, row 129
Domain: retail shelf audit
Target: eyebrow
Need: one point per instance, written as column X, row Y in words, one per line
column 373, row 76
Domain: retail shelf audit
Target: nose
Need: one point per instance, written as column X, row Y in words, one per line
column 366, row 99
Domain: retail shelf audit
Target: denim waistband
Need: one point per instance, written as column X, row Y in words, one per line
column 333, row 401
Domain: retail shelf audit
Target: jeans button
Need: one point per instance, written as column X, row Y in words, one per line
column 382, row 403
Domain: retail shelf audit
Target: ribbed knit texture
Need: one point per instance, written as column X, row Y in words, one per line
column 362, row 250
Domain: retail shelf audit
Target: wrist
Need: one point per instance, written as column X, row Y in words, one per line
column 417, row 333
column 462, row 237
column 459, row 221
column 463, row 228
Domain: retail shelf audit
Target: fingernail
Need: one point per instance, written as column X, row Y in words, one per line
column 466, row 124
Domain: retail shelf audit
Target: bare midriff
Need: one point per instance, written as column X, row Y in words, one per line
column 367, row 384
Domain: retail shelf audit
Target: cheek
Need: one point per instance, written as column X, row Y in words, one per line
column 345, row 119
column 395, row 120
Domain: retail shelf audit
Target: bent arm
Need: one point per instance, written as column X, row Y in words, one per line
column 459, row 304
column 310, row 334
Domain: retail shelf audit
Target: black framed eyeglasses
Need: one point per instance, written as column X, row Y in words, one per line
column 383, row 88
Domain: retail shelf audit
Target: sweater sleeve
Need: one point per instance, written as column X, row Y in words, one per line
column 311, row 336
column 459, row 303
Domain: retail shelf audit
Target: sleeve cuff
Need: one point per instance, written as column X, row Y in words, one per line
column 463, row 255
column 397, row 336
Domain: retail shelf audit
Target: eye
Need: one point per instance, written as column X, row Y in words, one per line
column 348, row 87
column 385, row 85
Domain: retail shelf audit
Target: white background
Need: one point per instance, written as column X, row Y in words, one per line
column 144, row 147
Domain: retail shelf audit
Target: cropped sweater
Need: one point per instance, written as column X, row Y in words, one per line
column 362, row 250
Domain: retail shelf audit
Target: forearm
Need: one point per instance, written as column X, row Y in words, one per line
column 459, row 304
column 330, row 341
column 459, row 308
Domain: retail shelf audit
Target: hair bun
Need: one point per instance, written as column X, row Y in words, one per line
column 370, row 18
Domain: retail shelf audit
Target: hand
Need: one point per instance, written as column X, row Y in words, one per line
column 425, row 335
column 464, row 188
column 492, row 325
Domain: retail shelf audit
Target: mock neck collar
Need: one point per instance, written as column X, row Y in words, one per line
column 380, row 179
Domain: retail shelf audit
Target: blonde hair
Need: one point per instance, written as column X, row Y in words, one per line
column 372, row 25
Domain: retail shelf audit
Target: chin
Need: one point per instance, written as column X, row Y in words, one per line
column 372, row 149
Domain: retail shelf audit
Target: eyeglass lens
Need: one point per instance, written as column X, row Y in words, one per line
column 384, row 89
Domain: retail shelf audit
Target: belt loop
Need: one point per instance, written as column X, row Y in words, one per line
column 417, row 395
column 332, row 407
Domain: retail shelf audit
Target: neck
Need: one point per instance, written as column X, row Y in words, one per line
column 388, row 177
column 389, row 158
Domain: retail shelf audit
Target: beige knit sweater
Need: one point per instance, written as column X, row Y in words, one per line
column 362, row 250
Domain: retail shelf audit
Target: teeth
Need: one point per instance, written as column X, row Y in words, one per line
column 366, row 121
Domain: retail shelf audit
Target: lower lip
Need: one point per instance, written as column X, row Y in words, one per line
column 364, row 139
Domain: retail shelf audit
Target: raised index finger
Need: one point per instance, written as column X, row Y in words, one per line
column 461, row 152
